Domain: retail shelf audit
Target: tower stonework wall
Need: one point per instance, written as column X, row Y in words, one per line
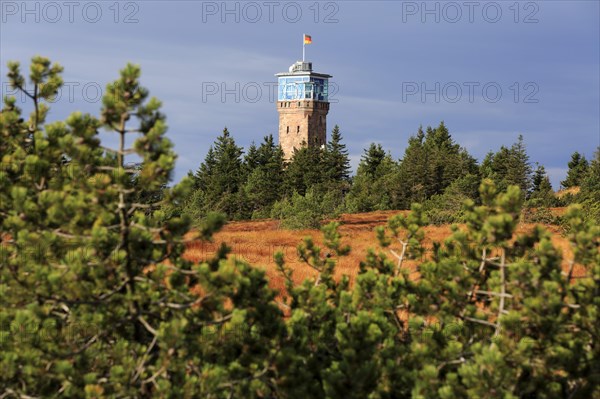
column 301, row 123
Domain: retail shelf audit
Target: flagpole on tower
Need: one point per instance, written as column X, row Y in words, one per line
column 306, row 39
column 303, row 46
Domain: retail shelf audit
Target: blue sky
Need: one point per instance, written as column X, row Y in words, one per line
column 526, row 67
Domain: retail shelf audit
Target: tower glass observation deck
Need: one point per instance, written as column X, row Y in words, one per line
column 301, row 83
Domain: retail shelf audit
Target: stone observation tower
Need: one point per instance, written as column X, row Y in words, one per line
column 303, row 104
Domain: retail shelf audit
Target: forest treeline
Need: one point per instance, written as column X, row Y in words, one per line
column 98, row 300
column 316, row 183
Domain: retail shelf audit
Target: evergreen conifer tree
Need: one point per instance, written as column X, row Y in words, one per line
column 372, row 186
column 431, row 163
column 542, row 193
column 518, row 168
column 265, row 183
column 205, row 171
column 590, row 184
column 251, row 159
column 96, row 299
column 371, row 161
column 509, row 166
column 220, row 179
column 305, row 170
column 336, row 161
column 578, row 167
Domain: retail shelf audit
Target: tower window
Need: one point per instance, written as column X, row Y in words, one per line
column 288, row 130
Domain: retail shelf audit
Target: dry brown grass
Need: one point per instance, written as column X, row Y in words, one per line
column 571, row 190
column 257, row 241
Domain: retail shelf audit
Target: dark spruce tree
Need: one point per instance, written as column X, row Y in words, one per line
column 251, row 160
column 447, row 161
column 371, row 161
column 578, row 167
column 205, row 171
column 371, row 187
column 518, row 170
column 336, row 160
column 590, row 184
column 509, row 166
column 590, row 190
column 304, row 171
column 413, row 176
column 265, row 182
column 542, row 194
column 219, row 180
column 431, row 163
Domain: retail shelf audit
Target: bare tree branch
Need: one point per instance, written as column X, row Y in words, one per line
column 399, row 257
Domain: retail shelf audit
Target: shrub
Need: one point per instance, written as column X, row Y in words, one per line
column 307, row 211
column 540, row 215
column 591, row 211
column 447, row 208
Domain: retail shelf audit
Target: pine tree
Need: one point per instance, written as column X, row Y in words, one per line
column 97, row 300
column 372, row 186
column 486, row 168
column 305, row 170
column 542, row 193
column 205, row 171
column 251, row 159
column 335, row 159
column 220, row 179
column 269, row 154
column 538, row 177
column 590, row 184
column 488, row 304
column 518, row 168
column 447, row 161
column 371, row 161
column 432, row 161
column 413, row 174
column 228, row 165
column 265, row 183
column 145, row 196
column 509, row 166
column 578, row 167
